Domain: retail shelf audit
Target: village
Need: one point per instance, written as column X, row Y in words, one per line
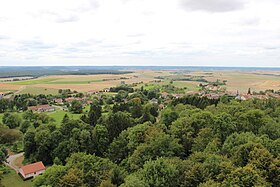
column 66, row 99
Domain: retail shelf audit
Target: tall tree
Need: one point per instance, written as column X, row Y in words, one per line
column 94, row 113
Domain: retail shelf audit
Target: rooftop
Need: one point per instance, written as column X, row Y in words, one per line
column 31, row 168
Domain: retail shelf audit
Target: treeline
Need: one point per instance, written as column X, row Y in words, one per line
column 35, row 72
column 122, row 87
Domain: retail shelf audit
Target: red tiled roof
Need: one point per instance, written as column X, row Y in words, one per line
column 31, row 168
column 70, row 99
column 38, row 107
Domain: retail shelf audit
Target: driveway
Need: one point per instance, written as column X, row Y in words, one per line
column 11, row 159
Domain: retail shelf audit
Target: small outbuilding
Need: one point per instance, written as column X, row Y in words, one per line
column 2, row 95
column 32, row 170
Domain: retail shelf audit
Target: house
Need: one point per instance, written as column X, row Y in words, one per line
column 193, row 93
column 161, row 106
column 154, row 101
column 273, row 95
column 243, row 97
column 70, row 99
column 106, row 90
column 89, row 102
column 41, row 108
column 164, row 95
column 58, row 101
column 177, row 96
column 32, row 170
column 212, row 96
column 2, row 95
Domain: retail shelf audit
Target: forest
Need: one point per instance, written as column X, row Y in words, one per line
column 142, row 139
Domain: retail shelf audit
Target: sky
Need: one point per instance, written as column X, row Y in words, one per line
column 140, row 33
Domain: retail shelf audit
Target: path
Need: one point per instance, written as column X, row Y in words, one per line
column 11, row 159
column 21, row 88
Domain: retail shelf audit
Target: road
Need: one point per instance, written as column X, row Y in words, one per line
column 11, row 159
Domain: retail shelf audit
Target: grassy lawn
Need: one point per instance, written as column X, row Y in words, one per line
column 58, row 116
column 12, row 179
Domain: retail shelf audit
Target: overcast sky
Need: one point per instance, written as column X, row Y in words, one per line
column 140, row 32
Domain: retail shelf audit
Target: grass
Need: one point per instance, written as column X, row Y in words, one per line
column 54, row 81
column 1, row 117
column 7, row 90
column 34, row 81
column 37, row 91
column 18, row 161
column 75, row 82
column 190, row 85
column 12, row 179
column 58, row 116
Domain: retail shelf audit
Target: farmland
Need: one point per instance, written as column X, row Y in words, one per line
column 236, row 80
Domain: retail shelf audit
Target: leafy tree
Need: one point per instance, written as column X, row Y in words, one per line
column 147, row 116
column 100, row 139
column 29, row 143
column 3, row 155
column 135, row 107
column 11, row 120
column 9, row 136
column 159, row 172
column 168, row 116
column 244, row 177
column 76, row 107
column 159, row 145
column 133, row 180
column 94, row 113
column 117, row 122
column 118, row 149
column 121, row 96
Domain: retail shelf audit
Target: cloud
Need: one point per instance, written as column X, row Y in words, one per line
column 2, row 37
column 213, row 5
column 35, row 45
column 65, row 19
column 250, row 21
column 58, row 17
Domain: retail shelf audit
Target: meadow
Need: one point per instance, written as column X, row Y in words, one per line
column 12, row 179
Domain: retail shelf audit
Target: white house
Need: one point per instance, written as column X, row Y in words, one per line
column 32, row 170
column 2, row 95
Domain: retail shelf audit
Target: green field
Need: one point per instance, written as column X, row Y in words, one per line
column 54, row 81
column 74, row 82
column 37, row 91
column 34, row 81
column 12, row 179
column 58, row 116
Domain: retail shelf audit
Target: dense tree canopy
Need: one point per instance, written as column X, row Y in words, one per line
column 129, row 141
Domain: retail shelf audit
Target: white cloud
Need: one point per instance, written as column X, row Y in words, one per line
column 214, row 5
column 134, row 32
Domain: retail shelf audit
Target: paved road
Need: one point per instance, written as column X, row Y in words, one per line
column 11, row 159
